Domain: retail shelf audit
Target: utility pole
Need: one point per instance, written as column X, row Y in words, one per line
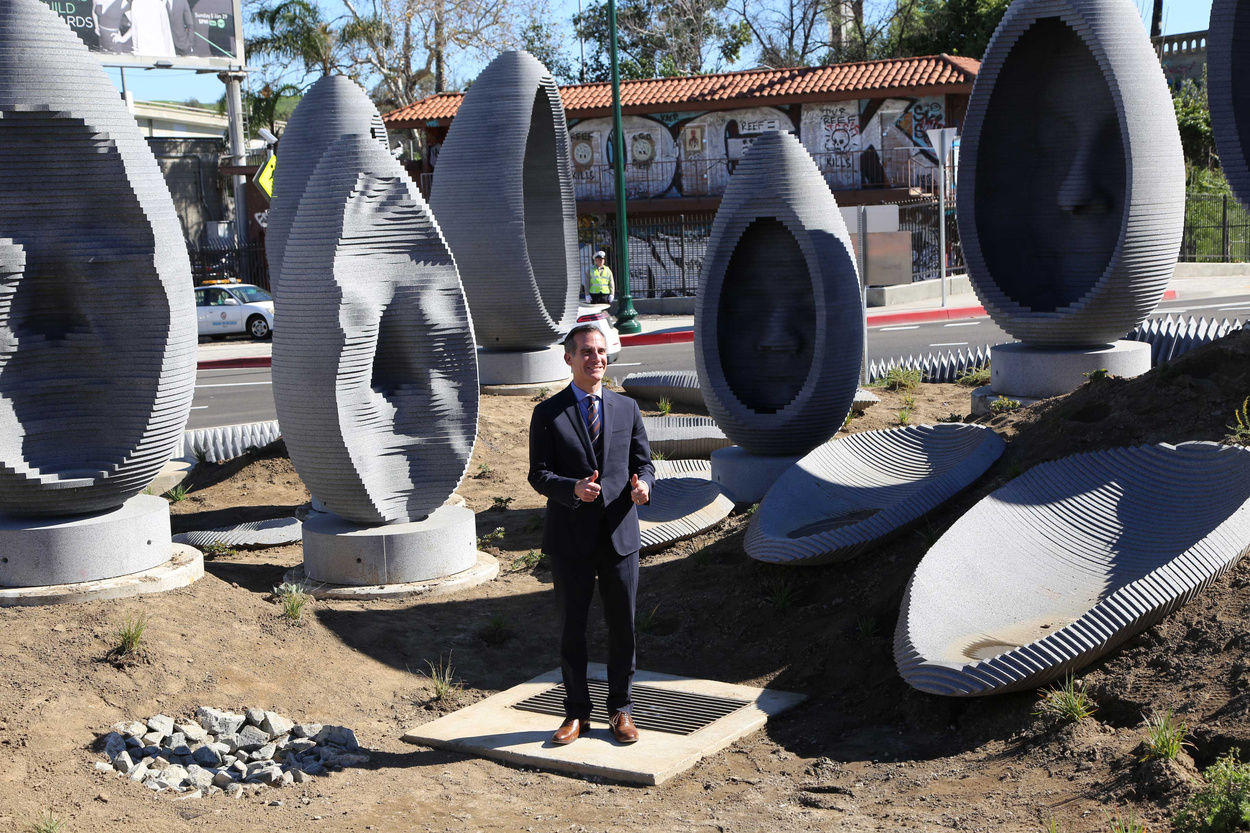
column 440, row 46
column 1156, row 20
column 626, row 315
column 238, row 148
column 942, row 139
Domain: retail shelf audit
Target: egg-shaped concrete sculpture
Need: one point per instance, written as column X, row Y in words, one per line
column 852, row 493
column 332, row 108
column 778, row 317
column 374, row 367
column 97, row 316
column 503, row 195
column 1071, row 177
column 1228, row 90
column 1068, row 561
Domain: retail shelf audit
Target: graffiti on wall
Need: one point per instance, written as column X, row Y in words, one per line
column 830, row 132
column 894, row 140
column 712, row 143
column 650, row 158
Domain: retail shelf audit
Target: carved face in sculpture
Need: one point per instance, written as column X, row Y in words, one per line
column 1051, row 177
column 766, row 320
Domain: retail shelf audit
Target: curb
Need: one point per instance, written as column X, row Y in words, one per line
column 242, row 361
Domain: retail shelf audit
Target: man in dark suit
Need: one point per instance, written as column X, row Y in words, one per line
column 589, row 457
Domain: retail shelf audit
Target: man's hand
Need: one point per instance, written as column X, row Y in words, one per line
column 639, row 493
column 587, row 489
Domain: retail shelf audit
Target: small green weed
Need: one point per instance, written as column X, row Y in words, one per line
column 494, row 536
column 442, row 678
column 130, row 634
column 1066, row 701
column 535, row 523
column 780, row 593
column 200, row 454
column 293, row 599
column 866, row 626
column 904, row 416
column 846, row 423
column 527, row 562
column 1053, row 825
column 542, row 394
column 501, row 503
column 1223, row 804
column 646, row 622
column 176, row 494
column 900, row 378
column 1126, row 824
column 484, row 471
column 1240, row 429
column 976, row 377
column 46, row 822
column 750, row 510
column 664, row 405
column 218, row 550
column 1165, row 736
column 1094, row 375
column 1002, row 405
column 909, row 402
column 496, row 631
column 658, row 455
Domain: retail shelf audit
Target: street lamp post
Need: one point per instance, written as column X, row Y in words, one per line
column 942, row 139
column 626, row 315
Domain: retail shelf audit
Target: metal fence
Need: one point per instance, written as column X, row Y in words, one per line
column 1217, row 230
column 245, row 264
column 921, row 218
column 665, row 250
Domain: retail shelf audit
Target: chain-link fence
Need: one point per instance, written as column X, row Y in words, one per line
column 1217, row 230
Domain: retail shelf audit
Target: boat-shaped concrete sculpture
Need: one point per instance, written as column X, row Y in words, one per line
column 684, row 438
column 1068, row 561
column 1228, row 90
column 684, row 503
column 853, row 493
column 679, row 386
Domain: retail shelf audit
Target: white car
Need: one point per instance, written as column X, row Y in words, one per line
column 228, row 308
column 597, row 314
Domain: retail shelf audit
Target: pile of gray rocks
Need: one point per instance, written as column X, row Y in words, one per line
column 220, row 751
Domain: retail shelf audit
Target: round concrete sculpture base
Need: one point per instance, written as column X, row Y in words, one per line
column 483, row 570
column 522, row 367
column 340, row 552
column 1018, row 370
column 35, row 552
column 184, row 567
column 747, row 477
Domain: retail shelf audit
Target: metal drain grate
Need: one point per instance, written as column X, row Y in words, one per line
column 657, row 709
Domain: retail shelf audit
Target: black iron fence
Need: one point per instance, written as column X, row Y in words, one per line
column 921, row 217
column 1217, row 230
column 665, row 250
column 245, row 264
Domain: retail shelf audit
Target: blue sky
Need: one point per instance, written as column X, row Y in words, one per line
column 174, row 85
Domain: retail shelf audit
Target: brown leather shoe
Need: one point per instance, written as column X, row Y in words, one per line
column 623, row 728
column 570, row 730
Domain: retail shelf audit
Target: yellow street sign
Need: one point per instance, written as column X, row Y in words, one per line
column 264, row 177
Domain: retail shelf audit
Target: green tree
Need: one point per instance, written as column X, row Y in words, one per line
column 543, row 40
column 298, row 33
column 662, row 38
column 956, row 27
column 1193, row 117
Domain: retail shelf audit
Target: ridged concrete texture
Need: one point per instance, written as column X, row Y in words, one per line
column 1228, row 90
column 503, row 193
column 679, row 386
column 1068, row 561
column 332, row 108
column 684, row 503
column 272, row 533
column 1071, row 177
column 97, row 317
column 229, row 441
column 851, row 494
column 374, row 367
column 778, row 316
column 684, row 438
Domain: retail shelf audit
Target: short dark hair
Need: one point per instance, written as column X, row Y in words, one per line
column 580, row 328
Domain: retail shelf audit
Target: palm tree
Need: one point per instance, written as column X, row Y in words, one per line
column 298, row 32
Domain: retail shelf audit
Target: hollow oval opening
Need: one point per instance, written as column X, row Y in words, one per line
column 1052, row 182
column 766, row 318
column 544, row 208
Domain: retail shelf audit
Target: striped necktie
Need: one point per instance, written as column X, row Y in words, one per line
column 595, row 423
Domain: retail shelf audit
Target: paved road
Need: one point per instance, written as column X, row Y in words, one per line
column 226, row 397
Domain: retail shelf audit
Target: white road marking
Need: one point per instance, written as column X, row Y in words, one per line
column 950, row 344
column 199, row 407
column 892, row 329
column 626, row 364
column 234, row 384
column 1240, row 306
column 962, row 324
column 1172, row 311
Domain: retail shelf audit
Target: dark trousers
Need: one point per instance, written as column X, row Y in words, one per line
column 596, row 298
column 574, row 580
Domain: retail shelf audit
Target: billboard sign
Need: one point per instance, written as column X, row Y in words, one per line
column 200, row 34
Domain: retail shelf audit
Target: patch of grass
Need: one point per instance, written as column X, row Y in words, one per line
column 200, row 454
column 501, row 502
column 1066, row 701
column 951, row 417
column 1126, row 824
column 483, row 471
column 1239, row 430
column 750, row 510
column 1165, row 736
column 542, row 394
column 780, row 593
column 527, row 562
column 218, row 550
column 496, row 631
column 442, row 678
column 176, row 494
column 664, row 405
column 846, row 423
column 904, row 416
column 900, row 378
column 494, row 536
column 866, row 626
column 646, row 622
column 1223, row 803
column 46, row 822
column 1053, row 825
column 658, row 455
column 1002, row 405
column 975, row 378
column 1093, row 375
column 130, row 634
column 293, row 599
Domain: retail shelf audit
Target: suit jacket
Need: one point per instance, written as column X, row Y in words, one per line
column 561, row 454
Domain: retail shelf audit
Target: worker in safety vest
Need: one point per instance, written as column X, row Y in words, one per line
column 600, row 285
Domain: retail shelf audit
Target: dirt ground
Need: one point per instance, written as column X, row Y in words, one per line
column 865, row 752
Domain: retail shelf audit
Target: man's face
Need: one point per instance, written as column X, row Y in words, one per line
column 598, row 261
column 589, row 359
